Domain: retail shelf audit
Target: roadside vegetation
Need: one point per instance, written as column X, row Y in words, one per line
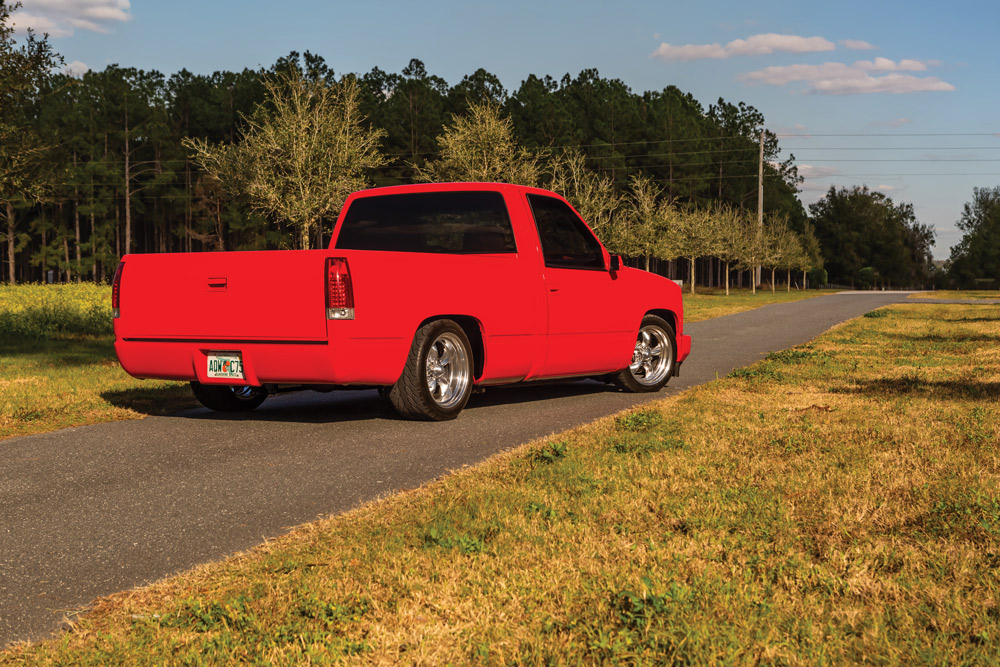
column 836, row 503
column 957, row 294
column 58, row 366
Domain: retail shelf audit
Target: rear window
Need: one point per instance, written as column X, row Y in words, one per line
column 436, row 222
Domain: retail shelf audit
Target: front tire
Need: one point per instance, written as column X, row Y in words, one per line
column 653, row 359
column 437, row 380
column 228, row 398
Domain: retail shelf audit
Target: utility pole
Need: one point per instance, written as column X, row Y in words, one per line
column 760, row 197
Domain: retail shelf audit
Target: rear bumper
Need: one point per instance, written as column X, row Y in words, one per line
column 369, row 361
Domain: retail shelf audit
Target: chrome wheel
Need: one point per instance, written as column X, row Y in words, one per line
column 447, row 370
column 229, row 398
column 652, row 359
column 246, row 392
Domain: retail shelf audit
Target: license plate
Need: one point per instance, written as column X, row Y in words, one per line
column 225, row 365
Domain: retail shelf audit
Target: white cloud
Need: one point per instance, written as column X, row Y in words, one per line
column 865, row 76
column 60, row 18
column 894, row 123
column 23, row 20
column 886, row 188
column 799, row 131
column 76, row 68
column 856, row 44
column 886, row 65
column 755, row 45
column 811, row 172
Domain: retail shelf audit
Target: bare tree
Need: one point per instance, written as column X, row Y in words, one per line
column 727, row 229
column 301, row 154
column 480, row 146
column 592, row 195
column 639, row 230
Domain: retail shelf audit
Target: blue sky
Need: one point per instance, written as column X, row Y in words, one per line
column 902, row 97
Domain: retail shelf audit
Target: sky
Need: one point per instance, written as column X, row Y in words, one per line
column 901, row 97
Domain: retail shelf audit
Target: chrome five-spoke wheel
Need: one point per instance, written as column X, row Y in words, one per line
column 447, row 370
column 438, row 376
column 653, row 357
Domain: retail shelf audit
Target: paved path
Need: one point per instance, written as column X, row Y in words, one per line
column 88, row 511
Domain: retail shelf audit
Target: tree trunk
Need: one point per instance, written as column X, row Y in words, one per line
column 76, row 226
column 692, row 275
column 647, row 262
column 69, row 276
column 772, row 279
column 727, row 278
column 10, row 243
column 128, row 191
column 93, row 248
column 76, row 229
column 788, row 285
column 187, row 206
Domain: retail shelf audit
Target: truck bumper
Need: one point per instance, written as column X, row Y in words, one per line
column 371, row 361
column 683, row 347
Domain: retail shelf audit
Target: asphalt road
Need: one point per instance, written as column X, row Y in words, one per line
column 88, row 511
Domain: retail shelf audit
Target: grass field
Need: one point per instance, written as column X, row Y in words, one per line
column 834, row 504
column 957, row 294
column 58, row 367
column 71, row 380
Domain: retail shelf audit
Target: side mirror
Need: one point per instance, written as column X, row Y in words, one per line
column 616, row 263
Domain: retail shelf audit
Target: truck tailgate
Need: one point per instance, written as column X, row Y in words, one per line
column 253, row 296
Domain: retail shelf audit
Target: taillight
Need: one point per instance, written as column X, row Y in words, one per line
column 116, row 291
column 339, row 291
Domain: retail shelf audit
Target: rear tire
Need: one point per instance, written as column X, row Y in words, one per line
column 228, row 398
column 437, row 379
column 653, row 359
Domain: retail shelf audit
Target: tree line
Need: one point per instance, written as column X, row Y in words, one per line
column 126, row 160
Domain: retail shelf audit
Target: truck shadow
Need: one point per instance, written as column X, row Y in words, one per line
column 309, row 407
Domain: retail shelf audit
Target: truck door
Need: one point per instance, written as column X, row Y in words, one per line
column 589, row 330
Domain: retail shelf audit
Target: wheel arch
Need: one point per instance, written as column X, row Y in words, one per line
column 473, row 329
column 669, row 316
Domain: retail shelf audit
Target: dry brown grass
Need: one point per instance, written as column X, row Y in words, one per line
column 957, row 294
column 834, row 504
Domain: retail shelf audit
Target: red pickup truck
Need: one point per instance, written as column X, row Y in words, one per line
column 425, row 292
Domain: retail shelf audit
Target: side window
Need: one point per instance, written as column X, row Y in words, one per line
column 566, row 241
column 462, row 223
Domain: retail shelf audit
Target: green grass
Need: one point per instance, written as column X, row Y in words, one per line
column 957, row 294
column 71, row 380
column 58, row 366
column 37, row 311
column 834, row 504
column 712, row 302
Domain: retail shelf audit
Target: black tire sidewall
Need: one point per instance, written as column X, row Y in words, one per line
column 433, row 330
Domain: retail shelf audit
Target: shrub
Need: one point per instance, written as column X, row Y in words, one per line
column 41, row 311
